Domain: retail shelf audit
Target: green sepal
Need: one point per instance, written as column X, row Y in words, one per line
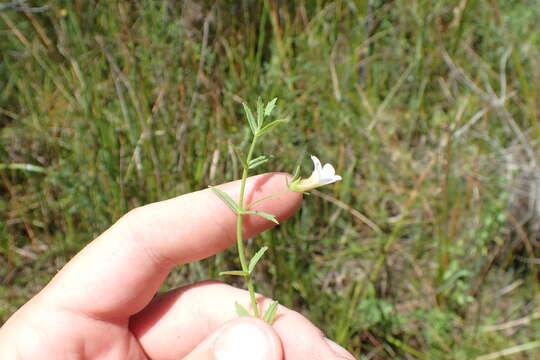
column 291, row 185
column 234, row 273
column 271, row 313
column 260, row 112
column 240, row 310
column 270, row 106
column 251, row 119
column 255, row 259
column 226, row 198
column 262, row 214
column 270, row 126
column 296, row 173
column 253, row 163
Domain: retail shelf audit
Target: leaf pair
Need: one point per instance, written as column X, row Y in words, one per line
column 253, row 163
column 258, row 161
column 252, row 263
column 256, row 124
column 239, row 211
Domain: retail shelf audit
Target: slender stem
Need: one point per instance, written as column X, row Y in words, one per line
column 268, row 197
column 239, row 232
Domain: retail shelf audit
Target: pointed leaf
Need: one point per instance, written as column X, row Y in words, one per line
column 263, row 214
column 260, row 113
column 251, row 119
column 255, row 259
column 226, row 198
column 270, row 106
column 270, row 126
column 271, row 313
column 234, row 273
column 258, row 161
column 240, row 310
column 239, row 156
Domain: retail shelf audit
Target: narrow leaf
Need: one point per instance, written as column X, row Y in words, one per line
column 239, row 156
column 270, row 126
column 260, row 112
column 240, row 310
column 226, row 198
column 255, row 259
column 258, row 161
column 271, row 313
column 234, row 273
column 251, row 119
column 257, row 164
column 263, row 214
column 270, row 106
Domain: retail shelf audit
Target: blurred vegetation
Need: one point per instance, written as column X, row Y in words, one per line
column 429, row 109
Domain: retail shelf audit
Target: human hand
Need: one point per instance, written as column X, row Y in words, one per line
column 101, row 305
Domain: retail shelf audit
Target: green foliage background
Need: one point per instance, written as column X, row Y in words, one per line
column 428, row 109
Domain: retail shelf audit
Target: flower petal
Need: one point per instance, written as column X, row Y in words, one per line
column 322, row 175
column 317, row 164
column 330, row 180
column 328, row 171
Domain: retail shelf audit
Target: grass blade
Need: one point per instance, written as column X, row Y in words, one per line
column 24, row 167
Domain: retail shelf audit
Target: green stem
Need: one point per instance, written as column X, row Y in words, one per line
column 268, row 197
column 239, row 233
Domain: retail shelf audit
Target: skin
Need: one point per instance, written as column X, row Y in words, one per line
column 103, row 303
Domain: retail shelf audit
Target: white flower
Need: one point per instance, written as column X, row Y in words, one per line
column 322, row 175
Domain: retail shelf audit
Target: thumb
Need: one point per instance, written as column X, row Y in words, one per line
column 245, row 338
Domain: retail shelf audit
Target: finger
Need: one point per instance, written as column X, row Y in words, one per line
column 175, row 322
column 117, row 274
column 240, row 339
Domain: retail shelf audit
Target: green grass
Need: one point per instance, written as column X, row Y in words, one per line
column 425, row 242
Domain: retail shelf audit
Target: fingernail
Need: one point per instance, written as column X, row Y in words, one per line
column 243, row 341
column 339, row 350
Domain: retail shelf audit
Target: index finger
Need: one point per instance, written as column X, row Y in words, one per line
column 116, row 275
